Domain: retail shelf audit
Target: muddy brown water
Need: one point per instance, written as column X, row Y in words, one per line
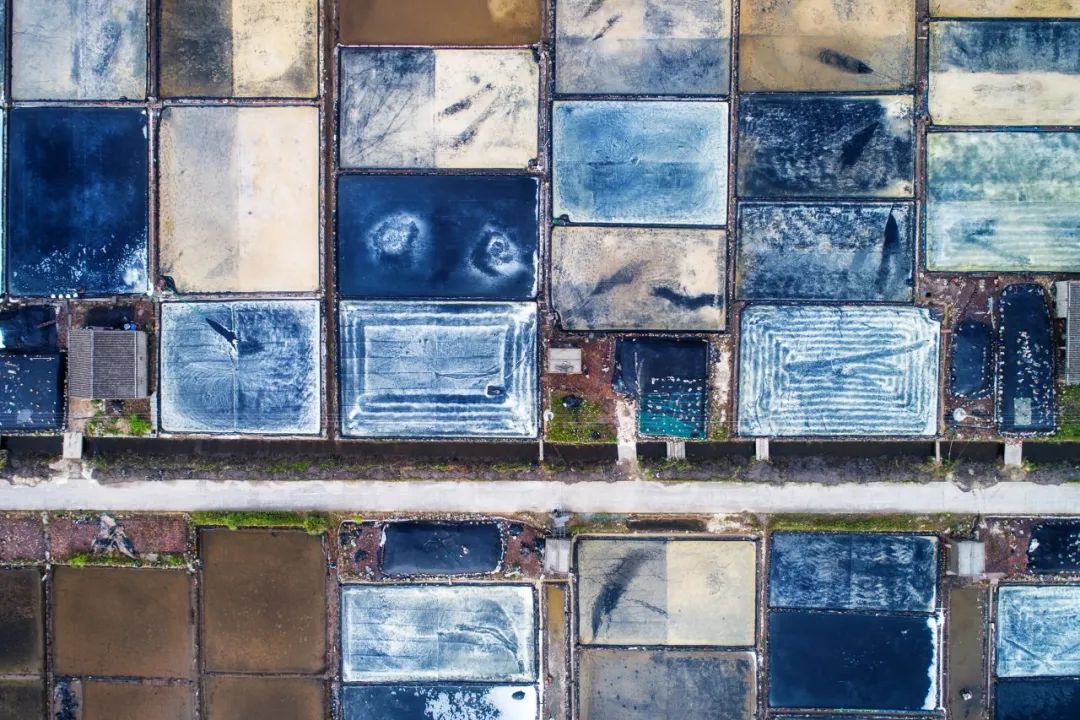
column 438, row 22
column 123, row 622
column 120, row 701
column 21, row 622
column 966, row 698
column 555, row 649
column 264, row 602
column 264, row 698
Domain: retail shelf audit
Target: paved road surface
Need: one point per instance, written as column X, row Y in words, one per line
column 542, row 496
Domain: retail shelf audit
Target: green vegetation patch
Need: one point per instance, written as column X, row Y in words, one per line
column 313, row 523
column 950, row 524
column 578, row 421
column 1068, row 413
column 84, row 559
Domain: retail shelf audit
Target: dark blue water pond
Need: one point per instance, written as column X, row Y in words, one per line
column 850, row 661
column 971, row 361
column 1026, row 400
column 857, row 571
column 77, row 201
column 437, row 237
column 1038, row 699
column 1055, row 547
column 669, row 378
column 30, row 392
column 801, row 145
column 412, row 702
column 826, row 251
column 419, row 548
column 28, row 329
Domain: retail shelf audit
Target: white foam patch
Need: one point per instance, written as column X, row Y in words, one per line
column 931, row 702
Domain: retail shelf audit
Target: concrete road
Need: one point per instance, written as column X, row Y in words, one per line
column 1015, row 498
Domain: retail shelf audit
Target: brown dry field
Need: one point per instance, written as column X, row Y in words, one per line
column 21, row 644
column 263, row 698
column 128, row 622
column 263, row 602
column 119, row 701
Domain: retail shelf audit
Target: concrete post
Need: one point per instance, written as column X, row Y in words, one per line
column 1014, row 454
column 73, row 446
column 676, row 450
column 761, row 449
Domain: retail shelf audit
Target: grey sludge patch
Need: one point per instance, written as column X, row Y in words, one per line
column 647, row 685
column 196, row 48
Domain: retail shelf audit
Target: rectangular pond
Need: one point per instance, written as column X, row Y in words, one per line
column 802, row 145
column 1037, row 699
column 78, row 50
column 240, row 48
column 239, row 199
column 443, row 701
column 1038, row 630
column 650, row 684
column 1003, row 201
column 643, row 48
column 833, row 371
column 435, row 22
column 669, row 379
column 77, row 205
column 852, row 571
column 424, row 236
column 825, row 45
column 826, row 251
column 31, row 392
column 1054, row 547
column 618, row 278
column 438, row 108
column 420, row 633
column 1026, row 386
column 822, row 660
column 244, row 366
column 640, row 163
column 1019, row 72
column 427, row 548
column 438, row 369
column 666, row 592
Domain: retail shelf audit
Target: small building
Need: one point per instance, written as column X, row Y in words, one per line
column 1068, row 309
column 107, row 364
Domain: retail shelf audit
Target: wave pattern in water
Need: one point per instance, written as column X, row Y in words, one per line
column 833, row 371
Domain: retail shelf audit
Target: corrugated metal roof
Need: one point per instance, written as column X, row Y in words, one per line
column 1072, row 335
column 107, row 364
